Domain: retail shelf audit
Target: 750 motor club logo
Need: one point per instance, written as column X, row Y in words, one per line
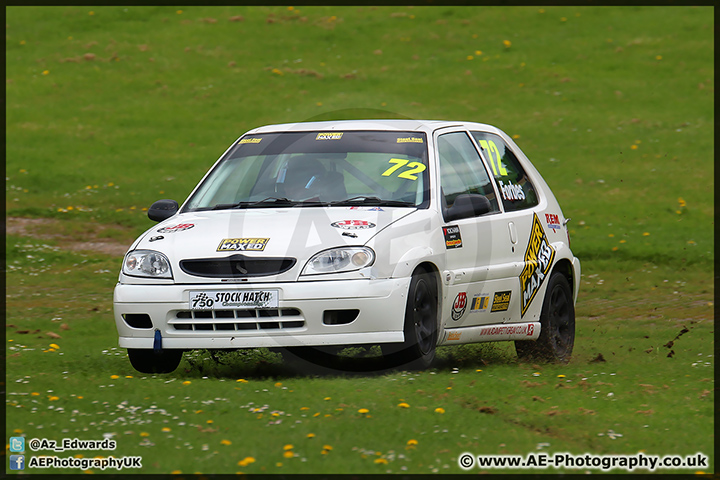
column 459, row 306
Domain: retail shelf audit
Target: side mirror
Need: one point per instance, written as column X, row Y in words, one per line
column 467, row 205
column 163, row 209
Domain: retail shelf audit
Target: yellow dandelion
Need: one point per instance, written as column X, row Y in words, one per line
column 91, row 13
column 209, row 421
column 22, row 42
column 310, row 435
column 166, row 429
column 187, row 382
column 111, row 376
column 470, row 57
column 70, row 208
column 381, row 460
column 324, row 452
column 615, row 249
column 561, row 376
column 646, row 234
column 363, row 410
column 412, row 442
column 291, row 8
column 623, row 241
column 179, row 12
column 241, row 380
column 439, row 410
column 278, row 384
column 327, row 398
column 516, row 136
column 611, row 235
column 507, row 43
column 225, row 442
column 403, row 405
column 54, row 345
column 246, row 461
column 176, row 472
column 53, row 398
column 34, row 394
column 277, row 71
column 288, row 447
column 659, row 57
column 128, row 376
column 198, row 411
column 304, row 408
column 681, row 202
column 144, row 434
column 327, row 447
column 316, row 414
column 319, row 104
column 478, row 370
column 80, row 397
column 633, row 147
column 478, row 52
column 288, row 454
column 563, row 19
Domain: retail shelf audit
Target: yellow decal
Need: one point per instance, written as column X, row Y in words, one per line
column 410, row 140
column 501, row 301
column 539, row 257
column 413, row 168
column 250, row 140
column 243, row 244
column 329, row 136
column 491, row 148
column 453, row 336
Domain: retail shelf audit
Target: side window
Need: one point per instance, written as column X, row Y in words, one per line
column 515, row 188
column 462, row 169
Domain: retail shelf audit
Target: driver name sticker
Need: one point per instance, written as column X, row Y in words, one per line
column 223, row 299
column 539, row 257
column 242, row 244
column 250, row 140
column 176, row 228
column 329, row 136
column 353, row 224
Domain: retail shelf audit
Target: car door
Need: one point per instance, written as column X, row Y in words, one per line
column 480, row 275
column 521, row 204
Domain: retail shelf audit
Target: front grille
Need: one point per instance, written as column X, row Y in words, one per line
column 238, row 320
column 237, row 266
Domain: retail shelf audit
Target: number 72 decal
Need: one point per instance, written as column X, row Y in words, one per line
column 491, row 148
column 411, row 168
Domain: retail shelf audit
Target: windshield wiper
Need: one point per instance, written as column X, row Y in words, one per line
column 369, row 200
column 269, row 201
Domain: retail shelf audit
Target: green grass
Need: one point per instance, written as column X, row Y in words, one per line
column 110, row 111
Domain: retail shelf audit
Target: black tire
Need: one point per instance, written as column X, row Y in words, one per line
column 417, row 352
column 557, row 325
column 151, row 361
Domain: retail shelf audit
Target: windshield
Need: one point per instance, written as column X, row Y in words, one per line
column 318, row 169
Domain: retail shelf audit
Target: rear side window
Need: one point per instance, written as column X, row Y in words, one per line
column 516, row 190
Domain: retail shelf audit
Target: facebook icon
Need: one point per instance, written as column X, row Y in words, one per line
column 17, row 462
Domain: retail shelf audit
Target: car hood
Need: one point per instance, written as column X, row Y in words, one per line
column 297, row 233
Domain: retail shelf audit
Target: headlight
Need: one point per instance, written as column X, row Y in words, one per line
column 147, row 263
column 337, row 260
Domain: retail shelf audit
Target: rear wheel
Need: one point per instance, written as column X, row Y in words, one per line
column 557, row 324
column 154, row 361
column 420, row 329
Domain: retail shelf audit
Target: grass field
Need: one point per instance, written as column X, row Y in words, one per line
column 111, row 108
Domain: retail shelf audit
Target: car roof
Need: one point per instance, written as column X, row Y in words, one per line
column 389, row 125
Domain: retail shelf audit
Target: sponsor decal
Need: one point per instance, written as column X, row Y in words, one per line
column 501, row 301
column 242, row 244
column 553, row 221
column 452, row 236
column 539, row 257
column 480, row 303
column 454, row 336
column 176, row 228
column 329, row 136
column 459, row 306
column 211, row 300
column 511, row 193
column 524, row 329
column 353, row 224
column 156, row 238
column 410, row 140
column 250, row 140
column 367, row 209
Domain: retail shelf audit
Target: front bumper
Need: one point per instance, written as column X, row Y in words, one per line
column 298, row 320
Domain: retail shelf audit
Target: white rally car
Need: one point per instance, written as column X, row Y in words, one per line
column 407, row 234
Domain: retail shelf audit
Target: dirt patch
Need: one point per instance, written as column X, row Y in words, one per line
column 51, row 229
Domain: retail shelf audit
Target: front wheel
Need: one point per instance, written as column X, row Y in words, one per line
column 147, row 360
column 420, row 329
column 557, row 324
